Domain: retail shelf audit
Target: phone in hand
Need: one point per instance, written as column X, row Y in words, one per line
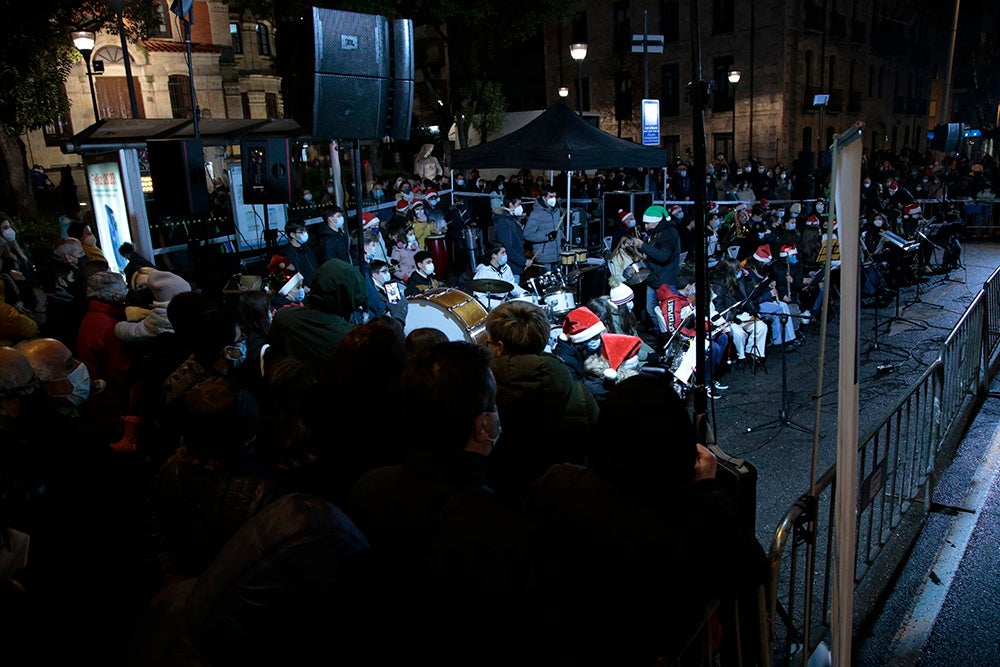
column 392, row 291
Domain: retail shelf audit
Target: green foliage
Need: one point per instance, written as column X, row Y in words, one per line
column 36, row 54
column 37, row 233
column 489, row 107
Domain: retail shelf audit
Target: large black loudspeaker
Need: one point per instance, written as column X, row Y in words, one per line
column 267, row 171
column 361, row 71
column 177, row 167
column 947, row 137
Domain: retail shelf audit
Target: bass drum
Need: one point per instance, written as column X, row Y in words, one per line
column 456, row 313
column 559, row 302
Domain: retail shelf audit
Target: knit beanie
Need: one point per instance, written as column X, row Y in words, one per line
column 166, row 285
column 621, row 294
column 581, row 324
column 106, row 286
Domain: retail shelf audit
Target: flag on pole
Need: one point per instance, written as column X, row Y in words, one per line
column 183, row 9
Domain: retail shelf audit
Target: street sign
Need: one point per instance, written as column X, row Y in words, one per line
column 651, row 122
column 653, row 43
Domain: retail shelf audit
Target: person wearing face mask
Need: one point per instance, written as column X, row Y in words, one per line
column 217, row 349
column 332, row 238
column 305, row 198
column 423, row 278
column 681, row 184
column 543, row 230
column 15, row 258
column 495, row 266
column 386, row 294
column 509, row 232
column 82, row 232
column 579, row 340
column 370, row 224
column 404, row 247
column 299, row 252
column 65, row 380
column 104, row 354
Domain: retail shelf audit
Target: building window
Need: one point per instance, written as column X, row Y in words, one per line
column 672, row 144
column 623, row 27
column 670, row 88
column 578, row 28
column 234, row 33
column 263, row 40
column 807, row 138
column 881, row 81
column 809, row 69
column 245, row 99
column 271, row 100
column 723, row 16
column 162, row 20
column 724, row 91
column 871, row 81
column 670, row 18
column 830, row 75
column 180, row 96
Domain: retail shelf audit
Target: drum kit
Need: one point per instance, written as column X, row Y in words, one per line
column 456, row 313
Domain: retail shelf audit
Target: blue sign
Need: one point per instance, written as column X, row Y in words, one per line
column 651, row 122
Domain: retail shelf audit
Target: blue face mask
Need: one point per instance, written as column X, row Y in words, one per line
column 594, row 344
column 379, row 192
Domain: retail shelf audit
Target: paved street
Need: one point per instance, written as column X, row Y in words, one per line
column 783, row 454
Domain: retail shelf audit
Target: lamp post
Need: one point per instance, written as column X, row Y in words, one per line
column 734, row 78
column 820, row 101
column 578, row 52
column 563, row 92
column 83, row 40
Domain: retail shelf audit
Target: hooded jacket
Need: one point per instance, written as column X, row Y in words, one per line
column 663, row 254
column 312, row 333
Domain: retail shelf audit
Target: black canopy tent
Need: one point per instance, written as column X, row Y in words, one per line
column 559, row 139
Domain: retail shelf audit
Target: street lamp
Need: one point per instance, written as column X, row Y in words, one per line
column 563, row 92
column 820, row 101
column 83, row 40
column 578, row 52
column 734, row 78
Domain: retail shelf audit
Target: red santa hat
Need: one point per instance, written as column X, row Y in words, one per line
column 277, row 263
column 431, row 193
column 625, row 215
column 402, row 206
column 788, row 251
column 676, row 210
column 417, row 188
column 813, row 221
column 892, row 185
column 911, row 210
column 713, row 207
column 581, row 324
column 764, row 203
column 763, row 254
column 742, row 206
column 369, row 219
column 619, row 351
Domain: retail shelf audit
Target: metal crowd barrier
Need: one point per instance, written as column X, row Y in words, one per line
column 898, row 464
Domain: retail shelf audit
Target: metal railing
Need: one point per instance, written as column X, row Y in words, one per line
column 898, row 464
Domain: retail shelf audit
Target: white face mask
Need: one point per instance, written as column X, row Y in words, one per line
column 79, row 378
column 338, row 221
column 411, row 238
column 429, row 269
column 550, row 201
column 302, row 237
column 518, row 210
column 502, row 260
column 9, row 234
column 307, row 197
column 497, row 430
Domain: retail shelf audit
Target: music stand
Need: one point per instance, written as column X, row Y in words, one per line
column 903, row 355
column 783, row 418
column 898, row 318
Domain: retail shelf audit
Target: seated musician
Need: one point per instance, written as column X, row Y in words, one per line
column 494, row 266
column 764, row 293
column 623, row 255
column 748, row 332
column 423, row 278
column 677, row 310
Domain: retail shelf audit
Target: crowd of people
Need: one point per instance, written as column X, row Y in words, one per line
column 262, row 476
column 242, row 477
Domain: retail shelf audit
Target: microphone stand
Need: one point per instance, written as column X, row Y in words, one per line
column 783, row 418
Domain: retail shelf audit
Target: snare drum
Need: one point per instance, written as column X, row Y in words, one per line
column 438, row 249
column 559, row 302
column 456, row 313
column 567, row 257
column 581, row 255
column 529, row 298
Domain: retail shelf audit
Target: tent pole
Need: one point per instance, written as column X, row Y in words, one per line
column 569, row 210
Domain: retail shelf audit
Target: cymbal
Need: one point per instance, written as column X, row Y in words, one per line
column 490, row 286
column 575, row 274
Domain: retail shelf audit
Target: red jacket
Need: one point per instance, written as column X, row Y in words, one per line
column 671, row 304
column 107, row 358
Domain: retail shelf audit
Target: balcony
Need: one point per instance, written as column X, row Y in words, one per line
column 854, row 101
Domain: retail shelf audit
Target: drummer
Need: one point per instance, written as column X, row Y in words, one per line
column 494, row 266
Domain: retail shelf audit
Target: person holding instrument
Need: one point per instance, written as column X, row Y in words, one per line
column 543, row 231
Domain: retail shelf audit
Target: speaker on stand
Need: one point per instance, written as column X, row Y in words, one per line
column 267, row 177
